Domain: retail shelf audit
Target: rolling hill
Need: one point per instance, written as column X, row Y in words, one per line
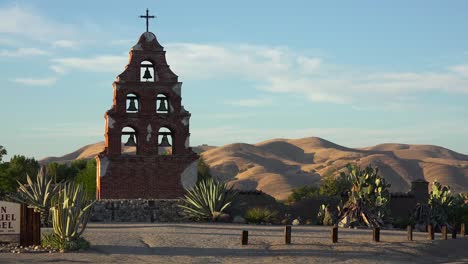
column 277, row 166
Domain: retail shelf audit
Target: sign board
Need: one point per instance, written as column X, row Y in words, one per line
column 10, row 216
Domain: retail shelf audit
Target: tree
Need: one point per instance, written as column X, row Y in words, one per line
column 203, row 170
column 3, row 152
column 16, row 170
column 87, row 178
column 334, row 185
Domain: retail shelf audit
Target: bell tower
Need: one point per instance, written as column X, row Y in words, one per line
column 147, row 140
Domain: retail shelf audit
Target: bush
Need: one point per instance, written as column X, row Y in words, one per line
column 70, row 210
column 207, row 199
column 303, row 193
column 259, row 215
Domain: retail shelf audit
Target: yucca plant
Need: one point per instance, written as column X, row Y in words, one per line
column 207, row 199
column 70, row 210
column 368, row 197
column 37, row 194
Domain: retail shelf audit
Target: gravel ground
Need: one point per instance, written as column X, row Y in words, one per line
column 220, row 243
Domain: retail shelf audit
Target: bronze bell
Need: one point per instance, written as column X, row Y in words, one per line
column 164, row 142
column 131, row 106
column 162, row 106
column 131, row 141
column 147, row 74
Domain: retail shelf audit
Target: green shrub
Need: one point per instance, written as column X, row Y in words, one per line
column 70, row 210
column 37, row 194
column 304, row 192
column 207, row 199
column 368, row 197
column 259, row 215
column 54, row 242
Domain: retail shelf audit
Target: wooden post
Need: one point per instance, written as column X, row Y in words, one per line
column 462, row 230
column 30, row 227
column 430, row 232
column 334, row 234
column 376, row 234
column 409, row 234
column 245, row 237
column 454, row 231
column 287, row 234
column 444, row 232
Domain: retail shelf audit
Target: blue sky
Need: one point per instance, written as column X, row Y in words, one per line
column 357, row 73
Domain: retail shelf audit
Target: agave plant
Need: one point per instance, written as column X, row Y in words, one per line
column 70, row 214
column 37, row 194
column 368, row 197
column 207, row 199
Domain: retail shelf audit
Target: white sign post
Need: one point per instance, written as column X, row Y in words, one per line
column 10, row 217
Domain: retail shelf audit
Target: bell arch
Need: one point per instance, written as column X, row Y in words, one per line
column 165, row 141
column 132, row 103
column 129, row 141
column 147, row 72
column 162, row 104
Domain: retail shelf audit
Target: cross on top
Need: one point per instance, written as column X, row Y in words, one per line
column 147, row 18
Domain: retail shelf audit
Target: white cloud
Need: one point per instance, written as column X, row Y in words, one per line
column 251, row 102
column 461, row 69
column 23, row 52
column 114, row 64
column 36, row 82
column 65, row 43
column 25, row 21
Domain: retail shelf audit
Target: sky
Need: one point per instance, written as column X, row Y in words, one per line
column 358, row 73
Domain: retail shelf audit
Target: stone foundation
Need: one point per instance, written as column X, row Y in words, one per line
column 137, row 210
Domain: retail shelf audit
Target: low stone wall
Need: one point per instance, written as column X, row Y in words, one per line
column 137, row 210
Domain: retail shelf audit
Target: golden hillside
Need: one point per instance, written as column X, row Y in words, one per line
column 277, row 166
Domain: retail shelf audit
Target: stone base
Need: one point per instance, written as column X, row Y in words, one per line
column 137, row 210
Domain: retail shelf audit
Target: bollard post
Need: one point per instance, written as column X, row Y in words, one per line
column 376, row 234
column 454, row 231
column 409, row 234
column 245, row 237
column 430, row 232
column 334, row 234
column 287, row 234
column 444, row 232
column 462, row 230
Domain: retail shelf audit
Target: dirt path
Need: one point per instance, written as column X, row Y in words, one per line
column 220, row 243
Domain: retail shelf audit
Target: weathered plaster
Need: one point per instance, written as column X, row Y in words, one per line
column 185, row 121
column 177, row 88
column 149, row 131
column 110, row 122
column 103, row 164
column 190, row 175
column 187, row 142
column 149, row 36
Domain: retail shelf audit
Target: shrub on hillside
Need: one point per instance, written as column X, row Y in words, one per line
column 259, row 215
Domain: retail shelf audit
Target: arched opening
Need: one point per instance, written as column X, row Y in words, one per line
column 129, row 141
column 165, row 141
column 162, row 104
column 132, row 103
column 147, row 72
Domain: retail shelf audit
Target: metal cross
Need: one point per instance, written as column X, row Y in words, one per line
column 147, row 18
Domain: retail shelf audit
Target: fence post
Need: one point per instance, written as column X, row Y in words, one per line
column 245, row 237
column 30, row 227
column 334, row 234
column 430, row 232
column 454, row 231
column 462, row 229
column 287, row 234
column 376, row 234
column 409, row 234
column 444, row 232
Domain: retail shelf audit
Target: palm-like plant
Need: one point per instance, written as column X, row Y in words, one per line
column 207, row 199
column 368, row 196
column 37, row 194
